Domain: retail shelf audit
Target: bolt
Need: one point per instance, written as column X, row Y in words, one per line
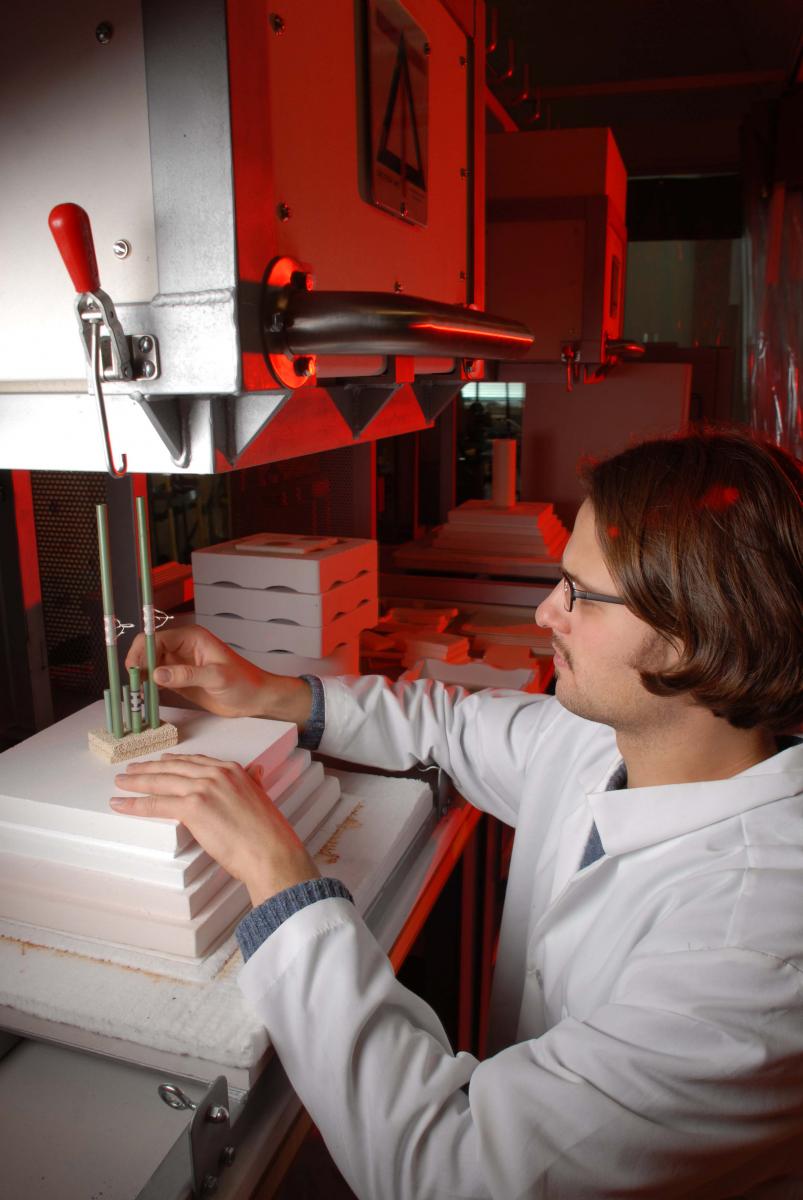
column 121, row 248
column 397, row 287
column 403, row 209
column 302, row 281
column 462, row 60
column 471, row 366
column 209, row 1184
column 227, row 1156
column 145, row 344
column 104, row 32
column 217, row 1113
column 283, row 211
column 276, row 23
column 304, row 366
column 148, row 369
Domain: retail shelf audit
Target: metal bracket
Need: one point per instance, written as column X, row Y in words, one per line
column 209, row 1133
column 360, row 400
column 168, row 416
column 434, row 393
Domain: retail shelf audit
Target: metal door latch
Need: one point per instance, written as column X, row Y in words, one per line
column 209, row 1132
column 111, row 354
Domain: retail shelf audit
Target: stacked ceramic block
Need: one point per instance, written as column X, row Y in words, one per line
column 293, row 605
column 71, row 864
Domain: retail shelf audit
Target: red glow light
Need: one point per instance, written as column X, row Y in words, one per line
column 718, row 497
column 437, row 327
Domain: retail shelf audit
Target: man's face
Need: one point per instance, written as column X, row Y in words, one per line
column 599, row 647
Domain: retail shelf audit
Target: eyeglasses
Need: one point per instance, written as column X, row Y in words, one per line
column 572, row 593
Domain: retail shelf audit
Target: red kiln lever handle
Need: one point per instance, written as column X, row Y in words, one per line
column 72, row 233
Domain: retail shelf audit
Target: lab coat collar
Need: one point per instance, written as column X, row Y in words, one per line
column 633, row 818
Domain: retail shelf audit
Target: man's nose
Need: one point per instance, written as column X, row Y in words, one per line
column 551, row 613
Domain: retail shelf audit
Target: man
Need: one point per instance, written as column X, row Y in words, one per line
column 648, row 993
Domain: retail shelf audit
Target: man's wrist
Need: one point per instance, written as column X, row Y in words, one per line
column 285, row 698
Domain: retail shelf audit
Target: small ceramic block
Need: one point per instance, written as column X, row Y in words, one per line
column 278, row 603
column 132, row 745
column 242, row 562
column 475, row 675
column 308, row 640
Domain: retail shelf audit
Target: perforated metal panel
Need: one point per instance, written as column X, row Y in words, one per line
column 66, row 531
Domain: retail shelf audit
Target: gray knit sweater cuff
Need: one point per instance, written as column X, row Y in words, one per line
column 257, row 926
column 310, row 739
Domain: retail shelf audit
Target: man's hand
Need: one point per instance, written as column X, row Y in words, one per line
column 191, row 660
column 225, row 810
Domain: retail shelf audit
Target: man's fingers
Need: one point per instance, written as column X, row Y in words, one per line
column 145, row 806
column 175, row 676
column 161, row 782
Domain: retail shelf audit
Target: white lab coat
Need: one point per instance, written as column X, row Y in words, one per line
column 647, row 1011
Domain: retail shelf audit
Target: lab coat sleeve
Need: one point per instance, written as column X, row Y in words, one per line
column 486, row 742
column 674, row 1088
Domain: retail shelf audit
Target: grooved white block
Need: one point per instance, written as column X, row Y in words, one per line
column 113, row 858
column 476, row 674
column 240, row 561
column 276, row 782
column 312, row 641
column 345, row 660
column 277, row 603
column 98, row 890
column 52, row 781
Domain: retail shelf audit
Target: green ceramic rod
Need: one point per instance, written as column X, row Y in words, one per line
column 107, row 700
column 109, row 620
column 148, row 623
column 127, row 707
column 136, row 699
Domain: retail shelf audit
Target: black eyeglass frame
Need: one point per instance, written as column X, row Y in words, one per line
column 572, row 593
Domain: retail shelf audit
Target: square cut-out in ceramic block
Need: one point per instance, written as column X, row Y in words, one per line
column 191, row 938
column 309, row 640
column 112, row 858
column 240, row 561
column 345, row 660
column 278, row 603
column 103, row 891
column 52, row 781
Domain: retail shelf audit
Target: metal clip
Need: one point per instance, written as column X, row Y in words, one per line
column 211, row 1147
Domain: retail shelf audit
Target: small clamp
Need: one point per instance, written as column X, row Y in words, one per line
column 115, row 357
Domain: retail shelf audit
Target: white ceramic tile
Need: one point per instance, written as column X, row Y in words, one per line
column 189, row 939
column 292, row 799
column 52, row 781
column 314, row 572
column 312, row 641
column 269, row 604
column 113, row 858
column 100, row 891
column 316, row 808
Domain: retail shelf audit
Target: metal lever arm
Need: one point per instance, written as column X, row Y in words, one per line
column 72, row 233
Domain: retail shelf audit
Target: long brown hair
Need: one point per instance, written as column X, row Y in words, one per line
column 703, row 534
